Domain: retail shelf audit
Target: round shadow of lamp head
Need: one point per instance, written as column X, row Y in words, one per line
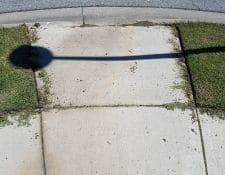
column 30, row 57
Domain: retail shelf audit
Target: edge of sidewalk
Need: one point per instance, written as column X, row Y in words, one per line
column 110, row 16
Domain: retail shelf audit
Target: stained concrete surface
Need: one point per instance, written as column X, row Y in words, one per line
column 133, row 140
column 21, row 148
column 78, row 81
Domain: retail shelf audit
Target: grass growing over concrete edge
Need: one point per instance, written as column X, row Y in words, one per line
column 204, row 48
column 17, row 90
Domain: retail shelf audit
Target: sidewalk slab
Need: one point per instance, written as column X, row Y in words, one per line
column 21, row 150
column 121, row 140
column 214, row 139
column 86, row 82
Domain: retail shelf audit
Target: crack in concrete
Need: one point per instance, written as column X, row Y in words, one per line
column 42, row 143
column 195, row 5
column 82, row 13
column 202, row 141
column 41, row 122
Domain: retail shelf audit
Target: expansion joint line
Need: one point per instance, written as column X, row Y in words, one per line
column 41, row 120
column 82, row 13
column 193, row 92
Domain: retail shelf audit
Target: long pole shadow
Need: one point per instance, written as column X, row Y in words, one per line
column 33, row 57
column 121, row 58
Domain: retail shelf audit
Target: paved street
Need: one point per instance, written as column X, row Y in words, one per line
column 19, row 5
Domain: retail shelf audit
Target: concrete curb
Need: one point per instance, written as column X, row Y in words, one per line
column 116, row 16
column 67, row 14
column 111, row 16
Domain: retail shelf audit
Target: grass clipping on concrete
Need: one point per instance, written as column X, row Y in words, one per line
column 204, row 48
column 17, row 90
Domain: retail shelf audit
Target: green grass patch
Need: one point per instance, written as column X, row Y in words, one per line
column 17, row 90
column 204, row 48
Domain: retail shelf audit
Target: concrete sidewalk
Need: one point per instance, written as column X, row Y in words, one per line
column 116, row 116
column 21, row 148
column 110, row 133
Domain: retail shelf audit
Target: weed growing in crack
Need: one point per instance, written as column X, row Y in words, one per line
column 44, row 92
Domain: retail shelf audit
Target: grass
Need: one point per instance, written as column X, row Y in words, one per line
column 201, row 42
column 17, row 90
